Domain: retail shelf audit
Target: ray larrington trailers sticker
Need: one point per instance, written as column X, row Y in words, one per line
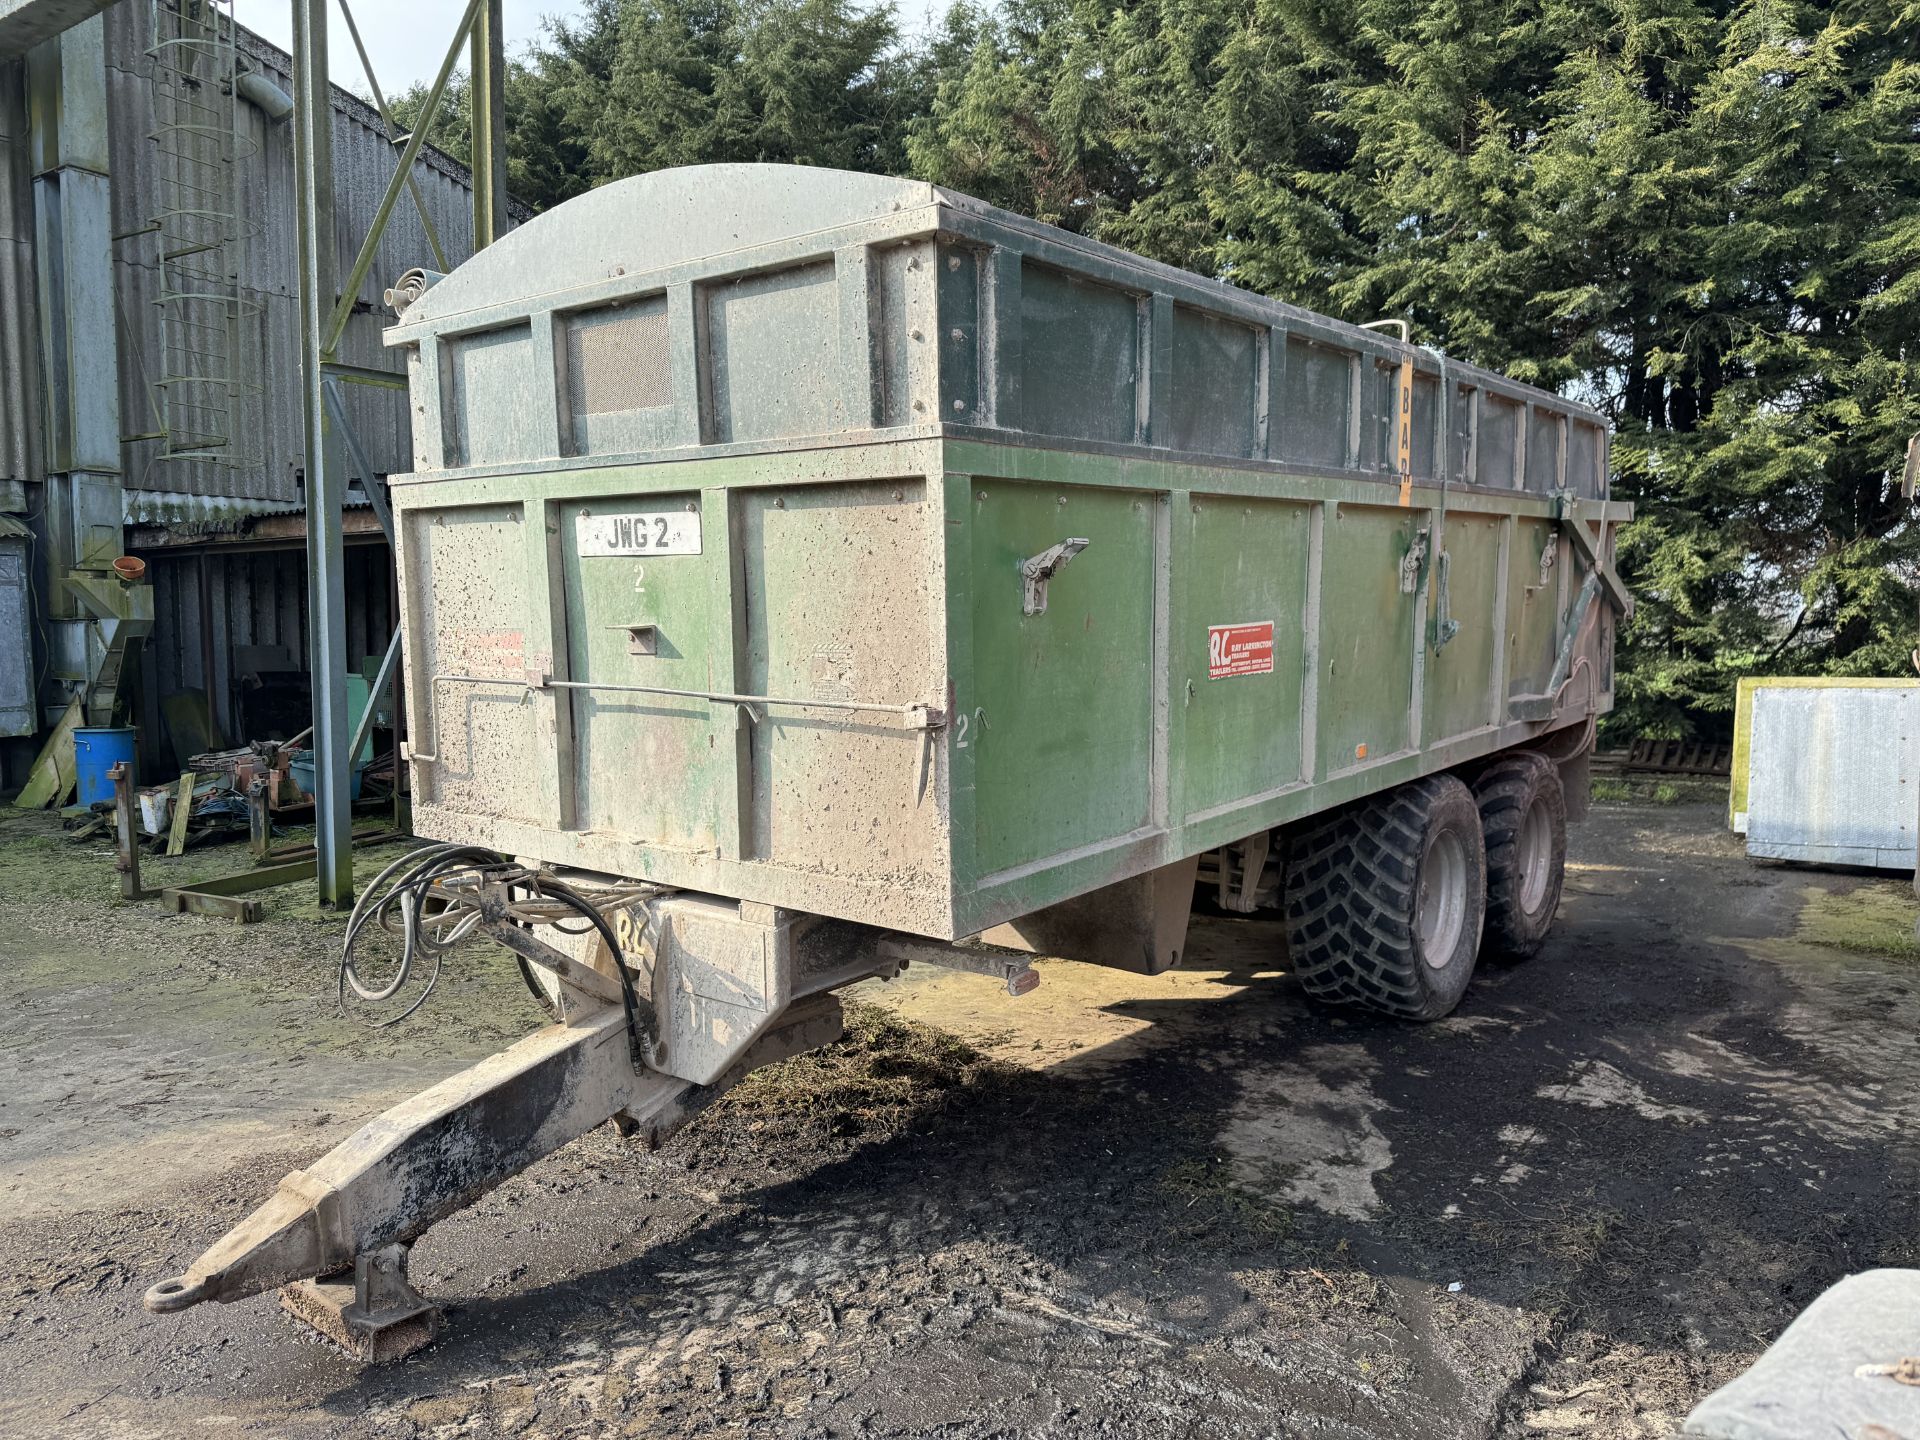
column 639, row 532
column 1239, row 650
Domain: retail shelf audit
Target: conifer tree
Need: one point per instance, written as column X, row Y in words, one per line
column 1702, row 216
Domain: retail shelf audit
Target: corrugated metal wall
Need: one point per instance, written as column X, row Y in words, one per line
column 20, row 422
column 215, row 597
column 363, row 161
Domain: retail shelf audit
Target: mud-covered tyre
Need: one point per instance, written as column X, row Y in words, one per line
column 1523, row 815
column 1385, row 900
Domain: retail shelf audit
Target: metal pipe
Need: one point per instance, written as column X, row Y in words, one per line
column 203, row 572
column 326, row 559
column 718, row 696
column 1563, row 659
column 265, row 96
column 930, row 717
column 722, row 697
column 367, row 374
column 488, row 109
column 377, row 501
column 362, row 467
column 363, row 262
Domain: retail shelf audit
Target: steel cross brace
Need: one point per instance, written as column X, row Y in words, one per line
column 1573, row 514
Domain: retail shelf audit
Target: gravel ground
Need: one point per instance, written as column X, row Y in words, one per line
column 1187, row 1206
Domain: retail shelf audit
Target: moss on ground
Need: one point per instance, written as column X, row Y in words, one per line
column 40, row 858
column 1873, row 918
column 1653, row 790
column 52, row 866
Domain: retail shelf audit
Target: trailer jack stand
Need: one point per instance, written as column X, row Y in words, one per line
column 370, row 1311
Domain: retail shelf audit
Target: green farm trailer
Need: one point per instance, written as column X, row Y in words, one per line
column 808, row 574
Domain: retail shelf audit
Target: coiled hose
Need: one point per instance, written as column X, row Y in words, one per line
column 431, row 899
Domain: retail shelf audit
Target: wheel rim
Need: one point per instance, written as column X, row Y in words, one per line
column 1442, row 912
column 1536, row 857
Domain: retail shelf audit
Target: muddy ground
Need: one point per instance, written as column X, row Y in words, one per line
column 1189, row 1206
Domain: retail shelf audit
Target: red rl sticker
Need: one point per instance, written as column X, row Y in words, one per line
column 1239, row 650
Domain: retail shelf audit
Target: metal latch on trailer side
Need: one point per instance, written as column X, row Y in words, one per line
column 1411, row 562
column 1037, row 570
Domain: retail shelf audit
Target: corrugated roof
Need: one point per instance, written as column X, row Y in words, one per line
column 212, row 512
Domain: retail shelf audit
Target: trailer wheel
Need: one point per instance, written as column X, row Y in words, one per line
column 1523, row 812
column 1385, row 900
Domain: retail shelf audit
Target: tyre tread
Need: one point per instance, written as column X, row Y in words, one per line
column 1350, row 903
column 1503, row 792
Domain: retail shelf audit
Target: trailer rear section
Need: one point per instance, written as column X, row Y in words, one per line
column 807, row 574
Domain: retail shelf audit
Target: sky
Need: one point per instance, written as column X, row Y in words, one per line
column 407, row 39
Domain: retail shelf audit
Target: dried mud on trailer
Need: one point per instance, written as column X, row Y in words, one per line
column 806, row 575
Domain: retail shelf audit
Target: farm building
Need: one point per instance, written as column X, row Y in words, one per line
column 148, row 311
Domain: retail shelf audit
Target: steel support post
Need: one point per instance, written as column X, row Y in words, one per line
column 489, row 137
column 326, row 474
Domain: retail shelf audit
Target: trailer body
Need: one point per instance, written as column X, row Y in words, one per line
column 709, row 456
column 806, row 575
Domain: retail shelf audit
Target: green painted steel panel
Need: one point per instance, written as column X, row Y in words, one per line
column 673, row 771
column 1366, row 636
column 1533, row 606
column 1543, row 450
column 1215, row 399
column 466, row 571
column 1497, row 442
column 1316, row 403
column 486, row 377
column 763, row 332
column 1459, row 675
column 1062, row 702
column 957, row 277
column 1244, row 566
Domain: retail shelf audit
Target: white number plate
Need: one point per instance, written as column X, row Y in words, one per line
column 639, row 532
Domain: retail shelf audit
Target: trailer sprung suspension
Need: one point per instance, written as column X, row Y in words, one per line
column 434, row 898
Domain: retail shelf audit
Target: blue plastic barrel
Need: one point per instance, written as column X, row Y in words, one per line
column 96, row 750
